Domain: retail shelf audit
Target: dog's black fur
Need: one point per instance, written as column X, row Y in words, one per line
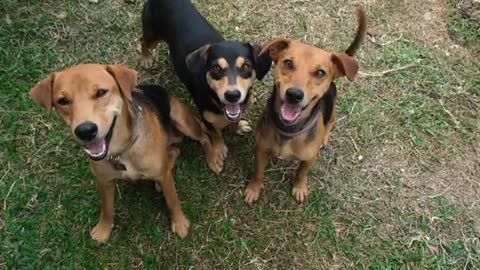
column 157, row 99
column 187, row 33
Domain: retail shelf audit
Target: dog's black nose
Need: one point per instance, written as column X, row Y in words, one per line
column 232, row 95
column 86, row 131
column 294, row 95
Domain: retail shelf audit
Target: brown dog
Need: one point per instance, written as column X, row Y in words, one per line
column 127, row 131
column 300, row 114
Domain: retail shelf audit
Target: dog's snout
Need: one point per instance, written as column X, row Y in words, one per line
column 233, row 95
column 294, row 95
column 86, row 131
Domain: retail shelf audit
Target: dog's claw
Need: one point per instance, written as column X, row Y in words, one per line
column 101, row 232
column 180, row 225
column 300, row 193
column 252, row 192
column 243, row 127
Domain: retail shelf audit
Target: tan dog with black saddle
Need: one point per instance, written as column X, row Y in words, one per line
column 300, row 113
column 128, row 131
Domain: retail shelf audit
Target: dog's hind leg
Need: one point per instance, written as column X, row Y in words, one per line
column 188, row 124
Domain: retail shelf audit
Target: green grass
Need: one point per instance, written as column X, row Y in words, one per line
column 461, row 28
column 396, row 189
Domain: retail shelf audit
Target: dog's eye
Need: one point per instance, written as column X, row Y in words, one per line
column 288, row 64
column 246, row 67
column 63, row 101
column 101, row 93
column 216, row 68
column 320, row 73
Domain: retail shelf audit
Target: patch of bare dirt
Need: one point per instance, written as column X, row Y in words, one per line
column 426, row 20
column 457, row 179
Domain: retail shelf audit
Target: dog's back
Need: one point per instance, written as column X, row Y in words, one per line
column 179, row 24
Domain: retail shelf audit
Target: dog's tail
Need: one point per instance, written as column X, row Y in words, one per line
column 361, row 32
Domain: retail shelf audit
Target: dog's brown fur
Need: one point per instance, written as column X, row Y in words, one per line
column 140, row 140
column 298, row 65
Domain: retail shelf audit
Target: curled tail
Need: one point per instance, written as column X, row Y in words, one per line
column 361, row 32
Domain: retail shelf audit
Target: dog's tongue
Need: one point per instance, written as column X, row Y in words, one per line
column 290, row 112
column 96, row 148
column 232, row 109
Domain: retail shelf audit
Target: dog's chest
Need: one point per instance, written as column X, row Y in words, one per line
column 295, row 151
column 128, row 170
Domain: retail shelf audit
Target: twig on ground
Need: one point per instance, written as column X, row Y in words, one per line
column 372, row 39
column 388, row 71
column 454, row 119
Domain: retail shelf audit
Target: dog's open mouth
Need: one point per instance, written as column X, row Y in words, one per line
column 290, row 113
column 97, row 149
column 233, row 111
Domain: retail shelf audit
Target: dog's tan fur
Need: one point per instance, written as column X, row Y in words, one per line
column 298, row 65
column 143, row 144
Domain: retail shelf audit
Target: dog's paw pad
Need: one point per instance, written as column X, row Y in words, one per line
column 180, row 226
column 300, row 193
column 243, row 127
column 101, row 232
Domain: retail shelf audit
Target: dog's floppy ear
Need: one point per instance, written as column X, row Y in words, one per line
column 275, row 47
column 263, row 62
column 126, row 79
column 346, row 65
column 43, row 91
column 197, row 59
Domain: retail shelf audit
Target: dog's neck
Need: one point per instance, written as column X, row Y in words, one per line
column 305, row 125
column 128, row 129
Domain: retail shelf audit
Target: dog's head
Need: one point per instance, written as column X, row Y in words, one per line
column 303, row 74
column 231, row 69
column 90, row 99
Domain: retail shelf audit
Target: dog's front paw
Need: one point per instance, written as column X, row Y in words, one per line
column 252, row 192
column 243, row 127
column 180, row 225
column 101, row 232
column 300, row 192
column 146, row 62
column 216, row 157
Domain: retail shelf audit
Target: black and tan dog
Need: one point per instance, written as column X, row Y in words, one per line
column 219, row 74
column 300, row 114
column 127, row 131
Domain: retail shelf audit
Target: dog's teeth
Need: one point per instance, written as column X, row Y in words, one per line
column 99, row 154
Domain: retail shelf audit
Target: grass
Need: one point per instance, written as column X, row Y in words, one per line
column 463, row 29
column 397, row 188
